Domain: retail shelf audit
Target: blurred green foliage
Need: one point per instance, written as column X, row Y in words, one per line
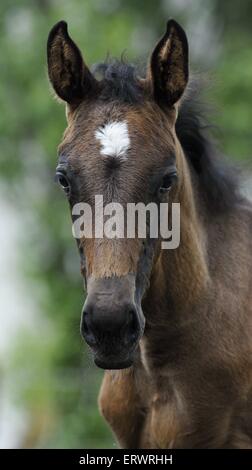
column 54, row 378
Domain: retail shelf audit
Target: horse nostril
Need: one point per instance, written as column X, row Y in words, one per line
column 86, row 331
column 132, row 325
column 85, row 328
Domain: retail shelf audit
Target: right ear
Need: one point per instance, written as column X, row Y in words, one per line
column 68, row 74
column 168, row 71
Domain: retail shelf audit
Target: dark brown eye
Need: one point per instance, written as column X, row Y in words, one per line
column 167, row 182
column 64, row 182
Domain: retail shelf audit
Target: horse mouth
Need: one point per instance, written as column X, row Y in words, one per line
column 113, row 364
column 119, row 359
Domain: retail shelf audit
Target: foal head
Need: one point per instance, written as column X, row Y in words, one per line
column 120, row 143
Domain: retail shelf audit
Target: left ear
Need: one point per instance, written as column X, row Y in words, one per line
column 68, row 73
column 168, row 70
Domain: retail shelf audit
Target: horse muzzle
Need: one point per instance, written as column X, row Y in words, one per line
column 112, row 323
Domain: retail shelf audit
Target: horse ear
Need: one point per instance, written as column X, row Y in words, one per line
column 168, row 69
column 68, row 74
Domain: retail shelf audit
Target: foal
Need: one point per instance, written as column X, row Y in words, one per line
column 178, row 323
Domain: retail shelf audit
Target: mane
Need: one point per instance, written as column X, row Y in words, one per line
column 218, row 181
column 120, row 81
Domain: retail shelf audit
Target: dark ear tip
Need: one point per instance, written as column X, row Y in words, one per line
column 172, row 24
column 60, row 26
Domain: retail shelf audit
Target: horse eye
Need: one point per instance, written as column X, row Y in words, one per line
column 63, row 181
column 167, row 182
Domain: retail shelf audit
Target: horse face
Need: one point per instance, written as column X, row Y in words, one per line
column 120, row 144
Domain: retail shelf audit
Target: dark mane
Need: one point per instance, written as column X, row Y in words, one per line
column 218, row 180
column 120, row 81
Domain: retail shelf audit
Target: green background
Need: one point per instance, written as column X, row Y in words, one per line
column 50, row 374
